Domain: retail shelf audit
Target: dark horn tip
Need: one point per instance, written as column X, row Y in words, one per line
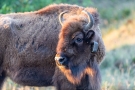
column 90, row 21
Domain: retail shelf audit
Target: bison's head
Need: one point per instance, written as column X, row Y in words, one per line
column 79, row 42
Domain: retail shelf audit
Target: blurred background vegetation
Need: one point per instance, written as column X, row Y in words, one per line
column 118, row 28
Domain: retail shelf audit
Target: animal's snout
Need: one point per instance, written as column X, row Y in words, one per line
column 61, row 60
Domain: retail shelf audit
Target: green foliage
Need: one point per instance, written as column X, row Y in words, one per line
column 133, row 60
column 111, row 11
column 22, row 5
column 8, row 6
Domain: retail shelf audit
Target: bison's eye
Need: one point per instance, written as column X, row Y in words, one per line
column 79, row 41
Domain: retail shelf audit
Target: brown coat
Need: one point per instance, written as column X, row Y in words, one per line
column 28, row 44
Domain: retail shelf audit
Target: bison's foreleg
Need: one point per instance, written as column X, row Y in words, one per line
column 65, row 85
column 94, row 76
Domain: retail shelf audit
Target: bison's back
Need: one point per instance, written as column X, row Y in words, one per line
column 29, row 42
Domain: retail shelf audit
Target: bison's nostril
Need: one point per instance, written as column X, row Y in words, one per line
column 61, row 60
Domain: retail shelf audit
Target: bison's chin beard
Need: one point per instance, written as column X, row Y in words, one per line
column 75, row 73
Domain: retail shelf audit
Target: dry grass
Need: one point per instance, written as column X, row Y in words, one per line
column 9, row 85
column 118, row 68
column 121, row 36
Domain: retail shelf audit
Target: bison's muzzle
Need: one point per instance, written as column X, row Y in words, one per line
column 61, row 60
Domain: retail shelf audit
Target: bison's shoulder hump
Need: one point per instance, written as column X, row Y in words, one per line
column 56, row 8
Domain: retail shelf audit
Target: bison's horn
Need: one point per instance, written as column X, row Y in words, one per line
column 60, row 16
column 90, row 21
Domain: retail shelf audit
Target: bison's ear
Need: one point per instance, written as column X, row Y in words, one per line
column 89, row 36
column 94, row 46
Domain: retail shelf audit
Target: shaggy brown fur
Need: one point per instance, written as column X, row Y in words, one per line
column 28, row 44
column 82, row 65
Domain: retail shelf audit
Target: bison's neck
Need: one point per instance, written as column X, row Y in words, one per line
column 76, row 74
